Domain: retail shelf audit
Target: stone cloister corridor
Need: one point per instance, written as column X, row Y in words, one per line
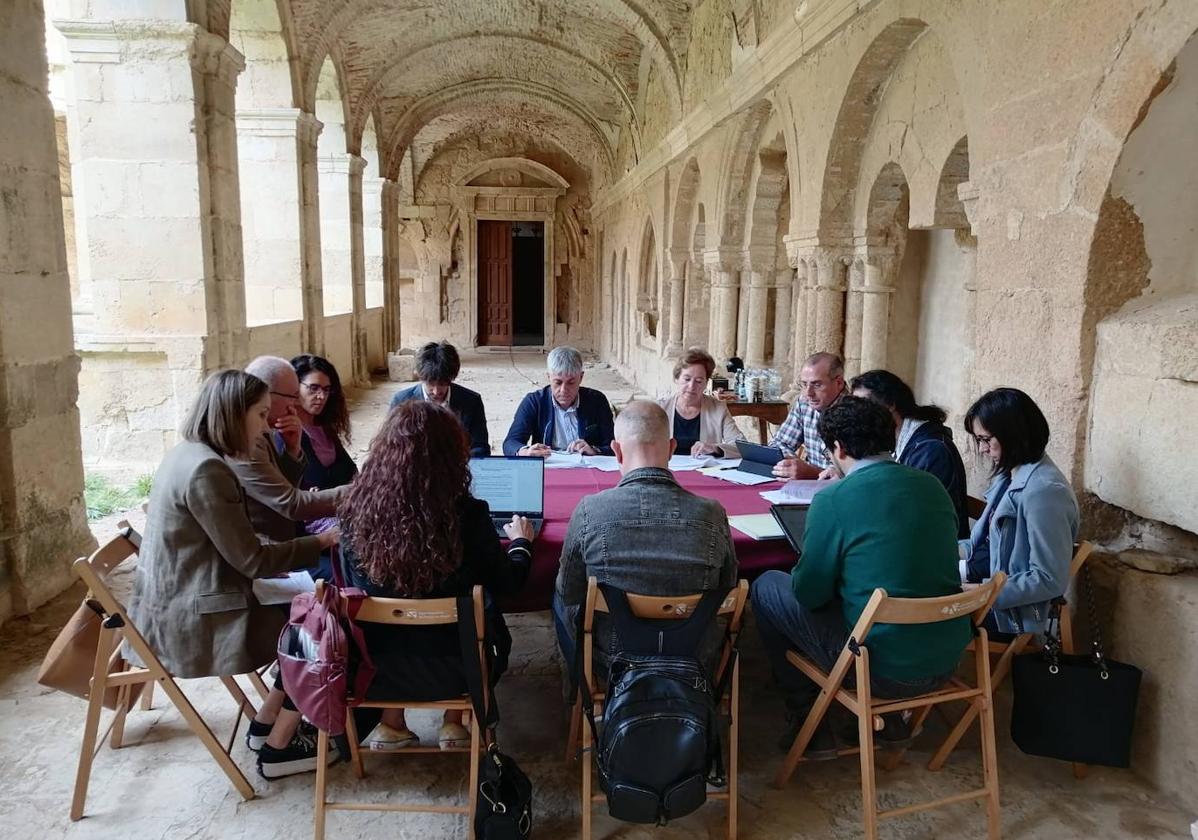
column 970, row 194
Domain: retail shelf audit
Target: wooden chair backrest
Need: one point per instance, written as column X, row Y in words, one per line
column 416, row 612
column 666, row 608
column 882, row 609
column 1081, row 553
column 94, row 569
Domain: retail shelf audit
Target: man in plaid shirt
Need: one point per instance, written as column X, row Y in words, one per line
column 821, row 384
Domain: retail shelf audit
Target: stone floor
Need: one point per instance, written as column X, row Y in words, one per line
column 164, row 785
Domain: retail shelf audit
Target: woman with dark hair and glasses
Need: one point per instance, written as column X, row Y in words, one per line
column 1031, row 518
column 325, row 418
column 922, row 440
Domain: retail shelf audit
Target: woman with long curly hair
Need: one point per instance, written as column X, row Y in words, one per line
column 411, row 529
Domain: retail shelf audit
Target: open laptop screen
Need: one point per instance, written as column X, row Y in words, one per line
column 509, row 485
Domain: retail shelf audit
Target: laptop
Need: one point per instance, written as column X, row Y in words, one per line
column 510, row 486
column 793, row 521
column 758, row 460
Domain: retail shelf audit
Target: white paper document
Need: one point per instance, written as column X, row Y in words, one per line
column 684, row 463
column 565, row 461
column 603, row 463
column 796, row 492
column 280, row 590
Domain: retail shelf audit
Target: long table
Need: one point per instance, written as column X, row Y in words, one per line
column 564, row 488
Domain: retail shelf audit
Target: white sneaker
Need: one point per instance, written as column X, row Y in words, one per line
column 453, row 736
column 385, row 738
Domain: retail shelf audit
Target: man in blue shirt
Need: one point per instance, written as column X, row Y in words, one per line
column 563, row 416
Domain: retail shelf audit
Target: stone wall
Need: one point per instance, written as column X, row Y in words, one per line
column 42, row 522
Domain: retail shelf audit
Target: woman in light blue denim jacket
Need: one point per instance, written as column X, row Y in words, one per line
column 1030, row 522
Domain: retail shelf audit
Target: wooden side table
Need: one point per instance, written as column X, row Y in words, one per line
column 765, row 412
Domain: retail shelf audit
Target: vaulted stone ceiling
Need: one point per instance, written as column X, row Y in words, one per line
column 567, row 70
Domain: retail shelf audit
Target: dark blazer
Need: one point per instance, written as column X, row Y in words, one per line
column 467, row 405
column 932, row 450
column 535, row 417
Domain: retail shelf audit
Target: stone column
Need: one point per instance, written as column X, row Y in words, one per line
column 829, row 307
column 161, row 232
column 216, row 65
column 357, row 269
column 852, row 321
column 875, row 314
column 266, row 152
column 798, row 346
column 784, row 283
column 810, row 302
column 677, row 302
column 724, row 309
column 390, row 222
column 742, row 313
column 311, row 279
column 43, row 526
column 759, row 289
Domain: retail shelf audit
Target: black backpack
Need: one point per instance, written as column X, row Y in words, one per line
column 660, row 741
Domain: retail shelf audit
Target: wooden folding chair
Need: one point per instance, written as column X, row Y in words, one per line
column 882, row 609
column 652, row 607
column 115, row 628
column 1006, row 653
column 409, row 612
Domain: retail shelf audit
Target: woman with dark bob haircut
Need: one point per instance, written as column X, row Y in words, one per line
column 922, row 440
column 1030, row 522
column 412, row 530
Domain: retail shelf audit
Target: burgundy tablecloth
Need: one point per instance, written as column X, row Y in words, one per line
column 564, row 489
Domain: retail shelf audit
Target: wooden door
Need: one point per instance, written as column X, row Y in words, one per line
column 494, row 282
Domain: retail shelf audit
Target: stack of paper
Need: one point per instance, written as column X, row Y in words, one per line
column 684, row 463
column 796, row 492
column 759, row 526
column 564, row 461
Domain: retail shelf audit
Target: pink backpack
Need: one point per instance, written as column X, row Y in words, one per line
column 314, row 655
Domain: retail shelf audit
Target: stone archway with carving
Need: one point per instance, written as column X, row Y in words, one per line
column 511, row 189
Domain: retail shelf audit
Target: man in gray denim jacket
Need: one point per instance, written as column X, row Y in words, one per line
column 647, row 535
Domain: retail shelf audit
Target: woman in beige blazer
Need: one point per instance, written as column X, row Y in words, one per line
column 192, row 596
column 715, row 431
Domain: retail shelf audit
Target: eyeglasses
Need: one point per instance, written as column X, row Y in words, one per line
column 313, row 388
column 983, row 440
column 285, row 396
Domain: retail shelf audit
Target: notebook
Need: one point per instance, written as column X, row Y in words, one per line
column 759, row 526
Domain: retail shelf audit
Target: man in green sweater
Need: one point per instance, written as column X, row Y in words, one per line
column 883, row 525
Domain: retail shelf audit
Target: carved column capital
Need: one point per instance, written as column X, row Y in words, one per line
column 307, row 129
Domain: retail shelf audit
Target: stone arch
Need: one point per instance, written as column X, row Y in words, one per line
column 853, row 121
column 648, row 300
column 267, row 121
column 735, row 174
column 684, row 205
column 623, row 309
column 949, row 210
column 535, row 170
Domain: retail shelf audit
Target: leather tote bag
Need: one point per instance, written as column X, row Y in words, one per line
column 69, row 661
column 1079, row 708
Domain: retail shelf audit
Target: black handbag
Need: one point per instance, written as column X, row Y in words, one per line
column 504, row 807
column 1073, row 707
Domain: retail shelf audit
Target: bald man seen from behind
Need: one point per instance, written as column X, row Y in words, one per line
column 647, row 535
